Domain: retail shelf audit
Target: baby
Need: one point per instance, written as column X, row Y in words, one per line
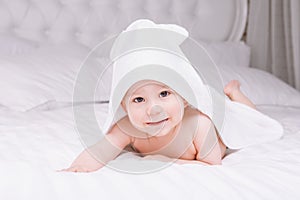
column 162, row 108
column 160, row 123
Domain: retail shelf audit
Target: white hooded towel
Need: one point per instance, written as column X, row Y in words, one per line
column 149, row 51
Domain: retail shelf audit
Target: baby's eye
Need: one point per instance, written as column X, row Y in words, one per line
column 164, row 93
column 138, row 99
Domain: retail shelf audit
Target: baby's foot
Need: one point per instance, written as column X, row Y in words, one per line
column 232, row 87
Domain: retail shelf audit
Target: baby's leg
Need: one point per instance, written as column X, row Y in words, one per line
column 232, row 90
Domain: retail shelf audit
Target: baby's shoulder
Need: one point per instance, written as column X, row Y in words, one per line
column 192, row 114
column 196, row 123
column 199, row 122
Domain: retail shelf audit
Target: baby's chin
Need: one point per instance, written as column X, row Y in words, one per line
column 155, row 131
column 158, row 133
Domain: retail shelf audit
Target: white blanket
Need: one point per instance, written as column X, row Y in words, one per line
column 35, row 144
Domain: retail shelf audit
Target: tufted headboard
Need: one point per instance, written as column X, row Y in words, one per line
column 89, row 22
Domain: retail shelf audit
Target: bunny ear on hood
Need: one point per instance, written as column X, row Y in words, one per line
column 149, row 51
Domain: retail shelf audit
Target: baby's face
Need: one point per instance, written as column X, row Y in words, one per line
column 154, row 108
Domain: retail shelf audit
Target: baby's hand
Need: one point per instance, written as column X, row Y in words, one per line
column 85, row 162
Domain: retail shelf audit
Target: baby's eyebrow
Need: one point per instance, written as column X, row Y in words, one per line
column 166, row 88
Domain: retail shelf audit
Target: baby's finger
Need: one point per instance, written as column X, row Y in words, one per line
column 63, row 170
column 76, row 169
column 70, row 169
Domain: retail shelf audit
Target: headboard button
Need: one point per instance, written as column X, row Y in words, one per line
column 77, row 33
column 14, row 29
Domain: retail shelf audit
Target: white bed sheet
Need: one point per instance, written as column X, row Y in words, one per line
column 33, row 145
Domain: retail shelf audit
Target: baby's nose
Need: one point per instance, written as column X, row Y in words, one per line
column 156, row 109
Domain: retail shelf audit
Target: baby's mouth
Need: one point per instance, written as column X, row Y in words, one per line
column 157, row 122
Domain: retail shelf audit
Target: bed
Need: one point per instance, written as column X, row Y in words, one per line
column 44, row 44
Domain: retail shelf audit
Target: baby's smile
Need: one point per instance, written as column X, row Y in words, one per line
column 160, row 122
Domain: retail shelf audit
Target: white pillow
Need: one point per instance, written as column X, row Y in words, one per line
column 261, row 87
column 12, row 45
column 45, row 75
column 49, row 74
column 229, row 53
column 64, row 49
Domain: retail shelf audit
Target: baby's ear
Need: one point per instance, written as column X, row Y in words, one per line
column 123, row 105
column 185, row 103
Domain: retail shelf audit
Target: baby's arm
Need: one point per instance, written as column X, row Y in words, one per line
column 96, row 156
column 210, row 149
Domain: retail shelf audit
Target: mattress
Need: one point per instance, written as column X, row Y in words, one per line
column 37, row 143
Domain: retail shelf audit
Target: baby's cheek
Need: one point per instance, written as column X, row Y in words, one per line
column 180, row 112
column 135, row 118
column 177, row 107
